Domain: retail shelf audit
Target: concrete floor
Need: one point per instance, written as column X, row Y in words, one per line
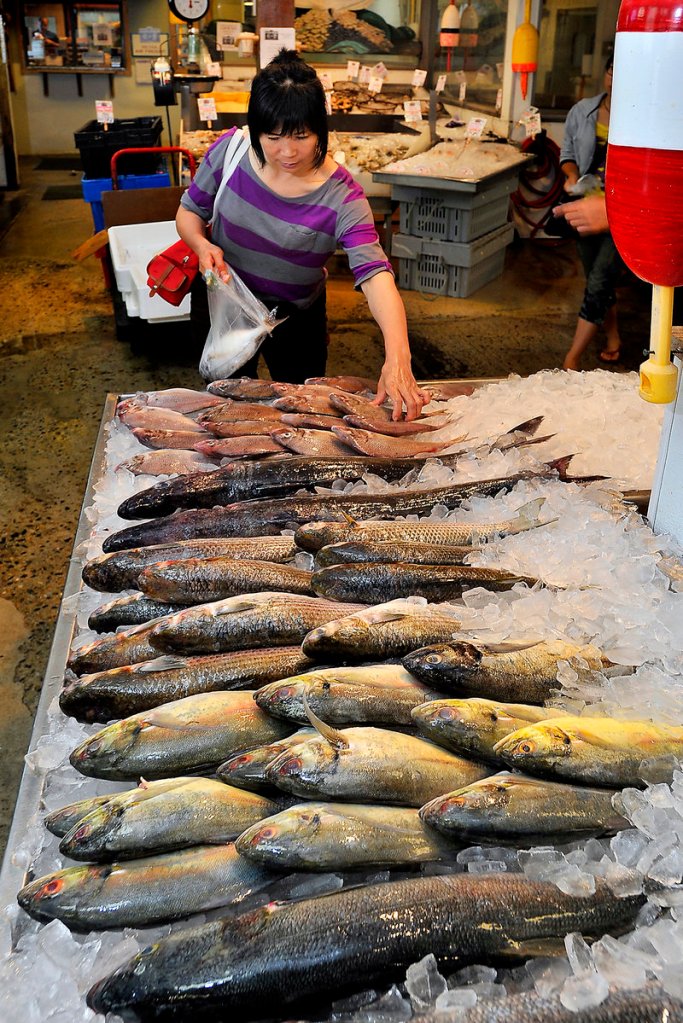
column 59, row 357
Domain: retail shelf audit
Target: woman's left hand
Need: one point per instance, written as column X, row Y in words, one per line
column 398, row 383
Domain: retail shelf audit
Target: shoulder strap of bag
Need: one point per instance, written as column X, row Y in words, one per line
column 235, row 150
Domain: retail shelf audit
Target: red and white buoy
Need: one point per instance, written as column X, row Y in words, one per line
column 644, row 174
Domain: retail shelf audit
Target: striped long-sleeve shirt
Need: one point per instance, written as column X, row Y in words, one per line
column 279, row 245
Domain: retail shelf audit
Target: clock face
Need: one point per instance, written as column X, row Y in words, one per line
column 189, row 10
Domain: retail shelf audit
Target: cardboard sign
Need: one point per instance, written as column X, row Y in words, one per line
column 375, row 84
column 412, row 110
column 104, row 111
column 364, row 76
column 380, row 70
column 475, row 127
column 226, row 35
column 462, row 92
column 207, row 108
column 418, row 78
column 440, row 83
column 326, row 78
column 352, row 70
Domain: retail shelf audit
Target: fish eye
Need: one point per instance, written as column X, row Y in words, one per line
column 446, row 713
column 52, row 887
column 264, row 833
column 526, row 747
column 433, row 659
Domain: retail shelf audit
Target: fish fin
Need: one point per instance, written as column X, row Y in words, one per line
column 533, row 947
column 167, row 662
column 506, row 647
column 560, row 465
column 349, row 518
column 330, row 734
column 243, row 602
column 379, row 617
column 529, row 426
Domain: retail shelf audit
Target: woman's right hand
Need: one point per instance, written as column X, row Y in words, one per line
column 211, row 258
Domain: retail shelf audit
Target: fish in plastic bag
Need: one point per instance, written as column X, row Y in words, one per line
column 239, row 324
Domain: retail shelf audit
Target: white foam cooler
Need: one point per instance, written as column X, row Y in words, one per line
column 132, row 246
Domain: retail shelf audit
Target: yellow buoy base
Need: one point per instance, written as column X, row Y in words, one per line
column 658, row 383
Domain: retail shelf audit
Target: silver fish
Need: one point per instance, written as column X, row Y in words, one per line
column 231, row 411
column 125, row 611
column 309, row 442
column 239, row 447
column 248, row 770
column 177, row 440
column 180, row 399
column 243, row 389
column 199, row 580
column 167, row 462
column 135, row 414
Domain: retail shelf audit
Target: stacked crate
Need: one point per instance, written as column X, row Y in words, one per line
column 452, row 240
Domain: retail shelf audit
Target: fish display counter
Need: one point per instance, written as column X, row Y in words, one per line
column 355, row 716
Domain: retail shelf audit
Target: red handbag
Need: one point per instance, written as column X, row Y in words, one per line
column 171, row 272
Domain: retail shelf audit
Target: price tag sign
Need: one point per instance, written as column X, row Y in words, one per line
column 475, row 127
column 532, row 122
column 499, row 100
column 462, row 92
column 226, row 35
column 440, row 83
column 328, row 102
column 375, row 84
column 104, row 111
column 419, row 77
column 326, row 79
column 207, row 108
column 364, row 75
column 379, row 70
column 213, row 68
column 412, row 109
column 352, row 70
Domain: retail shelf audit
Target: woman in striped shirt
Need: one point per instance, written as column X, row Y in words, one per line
column 285, row 210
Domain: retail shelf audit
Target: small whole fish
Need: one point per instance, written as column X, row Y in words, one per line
column 195, row 734
column 367, row 443
column 137, row 687
column 143, row 892
column 181, row 399
column 352, row 384
column 313, row 402
column 371, row 765
column 473, row 727
column 387, row 630
column 354, row 404
column 343, row 836
column 360, row 937
column 60, row 822
column 309, row 442
column 128, row 646
column 352, row 552
column 120, row 570
column 248, row 770
column 167, row 462
column 595, row 751
column 515, row 808
column 233, row 411
column 444, row 390
column 284, row 697
column 342, row 703
column 176, row 440
column 244, row 622
column 200, row 580
column 310, row 421
column 372, row 582
column 137, row 415
column 125, row 611
column 239, row 447
column 243, row 389
column 271, row 515
column 243, row 428
column 313, row 535
column 162, row 816
column 528, row 675
column 402, row 428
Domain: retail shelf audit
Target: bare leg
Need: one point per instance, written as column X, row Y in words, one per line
column 612, row 350
column 583, row 335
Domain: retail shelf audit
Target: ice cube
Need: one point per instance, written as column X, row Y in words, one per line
column 584, row 991
column 628, row 846
column 424, row 983
column 457, row 998
column 578, row 953
column 392, row 1007
column 622, row 880
column 548, row 975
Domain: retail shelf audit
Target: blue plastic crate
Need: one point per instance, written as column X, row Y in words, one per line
column 93, row 188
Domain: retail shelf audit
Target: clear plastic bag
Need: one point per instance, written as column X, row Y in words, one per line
column 239, row 324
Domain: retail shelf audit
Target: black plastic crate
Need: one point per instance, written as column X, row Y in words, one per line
column 97, row 146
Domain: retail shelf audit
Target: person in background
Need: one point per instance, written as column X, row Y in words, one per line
column 584, row 152
column 287, row 208
column 50, row 39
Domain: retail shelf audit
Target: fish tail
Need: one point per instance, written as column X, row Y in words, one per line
column 527, row 515
column 560, row 465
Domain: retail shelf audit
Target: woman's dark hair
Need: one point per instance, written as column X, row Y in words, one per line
column 287, row 97
column 610, row 63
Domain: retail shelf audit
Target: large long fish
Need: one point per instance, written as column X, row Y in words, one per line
column 120, row 570
column 515, row 808
column 343, row 836
column 285, row 955
column 244, row 622
column 316, row 534
column 200, row 580
column 387, row 630
column 271, row 515
column 143, row 892
column 162, row 816
column 131, row 610
column 372, row 582
column 132, row 688
column 528, row 675
column 195, row 734
column 354, row 552
column 371, row 765
column 595, row 751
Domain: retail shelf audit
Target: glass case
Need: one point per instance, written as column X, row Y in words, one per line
column 76, row 37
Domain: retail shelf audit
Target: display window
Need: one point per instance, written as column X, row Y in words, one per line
column 74, row 36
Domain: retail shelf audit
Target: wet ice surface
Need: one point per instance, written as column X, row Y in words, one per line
column 610, row 582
